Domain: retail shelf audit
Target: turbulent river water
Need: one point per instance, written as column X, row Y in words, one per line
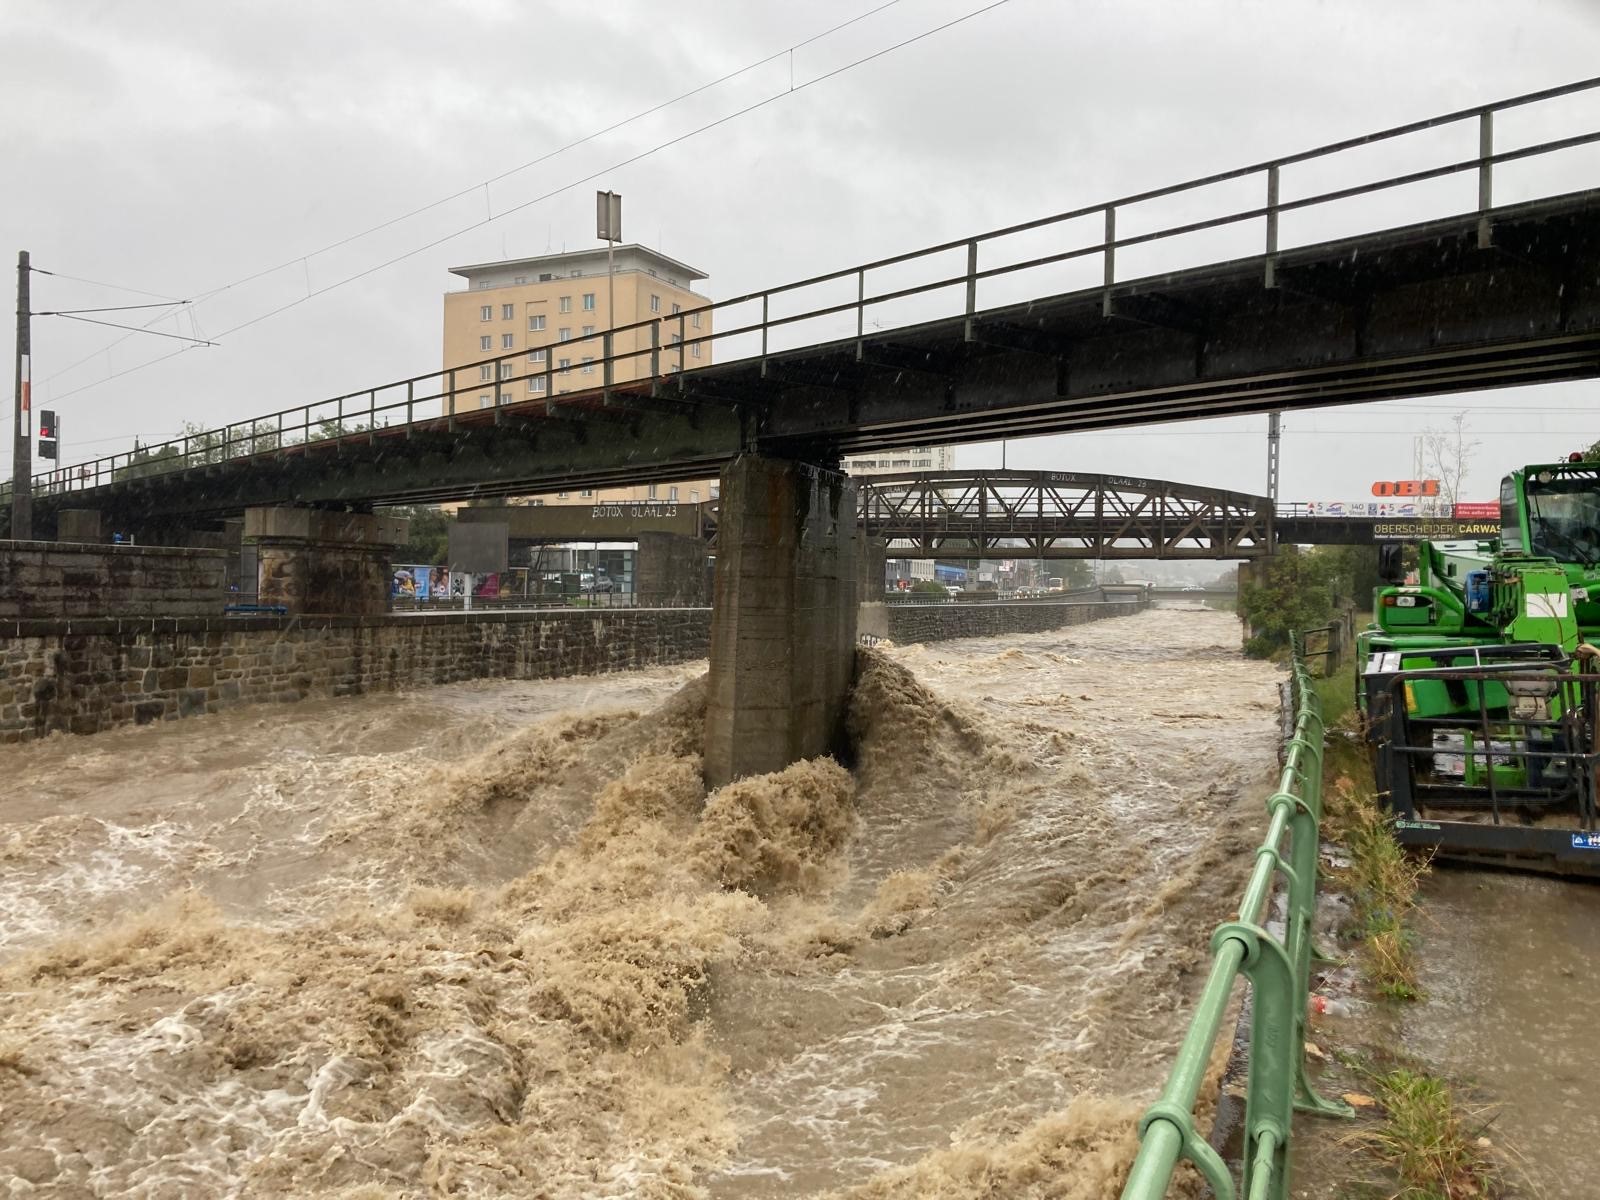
column 496, row 940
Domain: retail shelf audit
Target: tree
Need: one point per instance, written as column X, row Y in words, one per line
column 1352, row 573
column 1075, row 574
column 1291, row 591
column 428, row 535
column 1592, row 454
column 1445, row 454
column 333, row 429
column 145, row 461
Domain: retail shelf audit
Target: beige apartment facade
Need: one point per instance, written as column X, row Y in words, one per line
column 551, row 313
column 895, row 462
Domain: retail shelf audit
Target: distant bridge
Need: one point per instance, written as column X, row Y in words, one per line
column 1069, row 514
column 1060, row 514
column 1012, row 514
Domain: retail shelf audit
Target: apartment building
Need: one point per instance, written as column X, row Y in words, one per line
column 551, row 312
column 895, row 462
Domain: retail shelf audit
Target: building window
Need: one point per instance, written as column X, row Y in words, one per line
column 694, row 496
column 562, row 495
column 564, row 334
column 672, row 494
column 522, row 279
column 588, row 302
column 675, row 339
column 588, row 364
column 676, row 309
column 655, row 303
column 486, row 372
column 507, row 311
column 505, row 370
column 587, row 493
column 576, row 273
column 535, row 356
column 564, row 363
column 535, row 324
column 697, row 349
column 588, row 331
column 486, row 313
column 696, row 319
column 486, row 342
column 566, row 304
column 485, row 400
column 536, row 383
column 652, row 491
column 716, row 490
column 508, row 341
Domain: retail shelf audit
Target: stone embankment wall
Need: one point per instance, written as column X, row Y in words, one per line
column 65, row 579
column 909, row 623
column 83, row 676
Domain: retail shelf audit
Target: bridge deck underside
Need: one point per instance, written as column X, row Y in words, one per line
column 1409, row 312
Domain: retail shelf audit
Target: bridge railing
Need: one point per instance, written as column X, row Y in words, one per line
column 1278, row 971
column 849, row 305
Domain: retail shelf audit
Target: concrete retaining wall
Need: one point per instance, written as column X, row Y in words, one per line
column 44, row 580
column 910, row 623
column 87, row 675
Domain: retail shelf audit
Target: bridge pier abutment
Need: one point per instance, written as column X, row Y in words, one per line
column 783, row 625
column 671, row 570
column 313, row 560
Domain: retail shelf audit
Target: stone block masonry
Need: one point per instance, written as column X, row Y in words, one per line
column 911, row 623
column 45, row 580
column 82, row 676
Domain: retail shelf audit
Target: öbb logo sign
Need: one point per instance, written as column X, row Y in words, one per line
column 1406, row 487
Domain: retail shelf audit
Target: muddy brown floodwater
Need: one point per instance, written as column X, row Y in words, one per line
column 496, row 940
column 1508, row 968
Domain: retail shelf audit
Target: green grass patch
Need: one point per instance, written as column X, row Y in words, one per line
column 1381, row 877
column 1432, row 1145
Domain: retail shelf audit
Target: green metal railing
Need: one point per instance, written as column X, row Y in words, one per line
column 1279, row 973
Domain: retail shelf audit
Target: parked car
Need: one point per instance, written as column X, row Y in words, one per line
column 590, row 582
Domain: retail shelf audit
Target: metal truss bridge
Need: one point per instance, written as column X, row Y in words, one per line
column 1375, row 267
column 1060, row 514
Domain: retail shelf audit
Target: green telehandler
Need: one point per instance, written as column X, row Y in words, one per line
column 1480, row 682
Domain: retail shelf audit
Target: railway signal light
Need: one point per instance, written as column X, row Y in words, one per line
column 49, row 435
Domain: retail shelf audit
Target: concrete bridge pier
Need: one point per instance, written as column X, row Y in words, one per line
column 671, row 570
column 783, row 625
column 314, row 560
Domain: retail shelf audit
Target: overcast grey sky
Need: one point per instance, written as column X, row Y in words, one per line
column 180, row 147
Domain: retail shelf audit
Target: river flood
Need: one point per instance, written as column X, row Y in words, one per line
column 496, row 940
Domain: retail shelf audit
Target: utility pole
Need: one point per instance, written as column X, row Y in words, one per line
column 22, row 450
column 608, row 227
column 1273, row 435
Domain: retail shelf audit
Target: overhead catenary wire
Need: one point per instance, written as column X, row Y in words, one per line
column 115, row 287
column 134, row 328
column 303, row 259
column 70, row 312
